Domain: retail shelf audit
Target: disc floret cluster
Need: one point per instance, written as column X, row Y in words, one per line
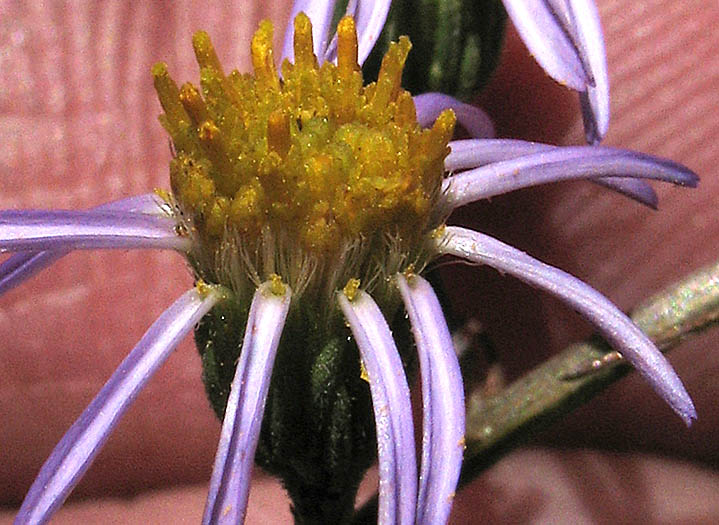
column 302, row 169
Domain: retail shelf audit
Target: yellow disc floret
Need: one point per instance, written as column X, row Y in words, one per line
column 313, row 159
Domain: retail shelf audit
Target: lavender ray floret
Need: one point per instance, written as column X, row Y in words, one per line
column 475, row 153
column 474, row 120
column 559, row 164
column 443, row 401
column 470, row 153
column 580, row 21
column 38, row 230
column 614, row 325
column 590, row 42
column 566, row 19
column 320, row 13
column 230, row 482
column 547, row 40
column 22, row 266
column 75, row 452
column 147, row 203
column 369, row 16
column 392, row 409
column 636, row 189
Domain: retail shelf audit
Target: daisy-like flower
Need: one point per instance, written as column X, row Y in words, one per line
column 308, row 206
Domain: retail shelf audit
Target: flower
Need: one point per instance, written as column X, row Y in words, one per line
column 186, row 222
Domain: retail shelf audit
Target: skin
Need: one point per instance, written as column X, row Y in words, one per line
column 77, row 127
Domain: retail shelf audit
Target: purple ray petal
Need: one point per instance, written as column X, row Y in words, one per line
column 230, row 483
column 547, row 40
column 471, row 153
column 370, row 16
column 474, row 120
column 75, row 452
column 392, row 409
column 616, row 327
column 559, row 164
column 23, row 265
column 443, row 401
column 636, row 189
column 38, row 230
column 565, row 17
column 590, row 41
column 320, row 13
column 580, row 21
column 148, row 203
column 475, row 153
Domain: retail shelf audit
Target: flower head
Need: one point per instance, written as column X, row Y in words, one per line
column 308, row 205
